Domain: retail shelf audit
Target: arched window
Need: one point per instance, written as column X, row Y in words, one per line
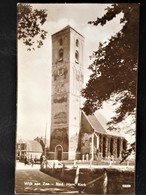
column 77, row 57
column 77, row 43
column 60, row 55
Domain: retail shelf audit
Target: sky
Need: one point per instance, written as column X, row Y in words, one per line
column 34, row 67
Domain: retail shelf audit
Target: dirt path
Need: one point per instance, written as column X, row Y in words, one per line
column 34, row 181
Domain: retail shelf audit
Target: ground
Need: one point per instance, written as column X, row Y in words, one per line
column 29, row 179
column 32, row 180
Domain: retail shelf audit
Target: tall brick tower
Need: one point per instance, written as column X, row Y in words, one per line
column 67, row 82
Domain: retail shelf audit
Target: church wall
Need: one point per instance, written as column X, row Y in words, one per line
column 67, row 79
column 104, row 145
column 79, row 48
column 85, row 137
column 74, row 126
column 75, row 87
column 86, row 127
column 64, row 35
column 60, row 88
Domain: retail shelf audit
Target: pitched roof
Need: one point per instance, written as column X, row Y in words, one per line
column 97, row 124
column 21, row 141
column 67, row 27
column 114, row 133
column 103, row 122
column 32, row 145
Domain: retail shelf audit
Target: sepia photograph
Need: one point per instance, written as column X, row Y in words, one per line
column 77, row 67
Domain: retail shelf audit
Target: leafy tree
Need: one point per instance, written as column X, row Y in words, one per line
column 114, row 67
column 29, row 22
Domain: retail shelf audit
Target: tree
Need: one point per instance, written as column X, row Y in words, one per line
column 114, row 67
column 42, row 143
column 29, row 22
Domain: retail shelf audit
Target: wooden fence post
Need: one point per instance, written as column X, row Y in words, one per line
column 75, row 163
column 110, row 162
column 105, row 182
column 90, row 163
column 76, row 176
column 53, row 169
column 62, row 171
column 127, row 163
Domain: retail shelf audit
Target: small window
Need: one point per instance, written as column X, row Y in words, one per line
column 77, row 57
column 60, row 71
column 77, row 42
column 19, row 147
column 60, row 55
column 60, row 42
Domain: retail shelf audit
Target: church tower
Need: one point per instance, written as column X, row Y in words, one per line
column 67, row 82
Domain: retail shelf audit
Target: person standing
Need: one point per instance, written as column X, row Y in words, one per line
column 25, row 160
column 32, row 162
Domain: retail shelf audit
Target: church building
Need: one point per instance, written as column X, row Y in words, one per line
column 74, row 135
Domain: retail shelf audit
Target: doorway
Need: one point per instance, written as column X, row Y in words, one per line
column 59, row 152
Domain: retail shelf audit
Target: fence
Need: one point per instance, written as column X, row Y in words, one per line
column 97, row 180
column 103, row 181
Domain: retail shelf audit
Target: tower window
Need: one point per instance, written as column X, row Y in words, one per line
column 60, row 41
column 60, row 55
column 77, row 57
column 77, row 42
column 60, row 71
